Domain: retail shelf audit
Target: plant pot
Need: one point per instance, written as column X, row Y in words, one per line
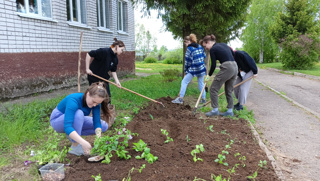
column 52, row 172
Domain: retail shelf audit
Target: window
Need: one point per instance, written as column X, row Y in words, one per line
column 35, row 7
column 76, row 11
column 103, row 10
column 122, row 16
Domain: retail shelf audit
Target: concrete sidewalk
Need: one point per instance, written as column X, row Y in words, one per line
column 286, row 110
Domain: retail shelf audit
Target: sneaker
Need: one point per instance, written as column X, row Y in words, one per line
column 240, row 107
column 202, row 101
column 236, row 105
column 227, row 114
column 212, row 113
column 76, row 150
column 178, row 100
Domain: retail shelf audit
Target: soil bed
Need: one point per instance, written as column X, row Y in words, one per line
column 174, row 159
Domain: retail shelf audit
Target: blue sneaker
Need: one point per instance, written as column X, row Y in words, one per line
column 212, row 113
column 178, row 100
column 227, row 114
column 76, row 150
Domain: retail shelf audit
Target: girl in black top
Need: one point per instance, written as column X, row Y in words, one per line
column 227, row 74
column 102, row 61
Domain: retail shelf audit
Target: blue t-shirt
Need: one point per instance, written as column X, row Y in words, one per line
column 70, row 104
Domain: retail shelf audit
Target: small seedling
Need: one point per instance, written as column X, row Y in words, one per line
column 147, row 156
column 163, row 131
column 139, row 146
column 151, row 116
column 142, row 167
column 188, row 138
column 210, row 128
column 199, row 148
column 97, row 178
column 261, row 164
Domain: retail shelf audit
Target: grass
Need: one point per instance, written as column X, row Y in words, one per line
column 142, row 67
column 314, row 71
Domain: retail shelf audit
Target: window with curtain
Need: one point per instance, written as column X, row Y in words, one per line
column 35, row 7
column 122, row 16
column 76, row 11
column 103, row 13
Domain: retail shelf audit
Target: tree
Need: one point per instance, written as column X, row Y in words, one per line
column 222, row 18
column 145, row 43
column 256, row 37
column 162, row 51
column 297, row 32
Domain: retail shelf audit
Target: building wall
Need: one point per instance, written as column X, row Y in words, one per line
column 40, row 55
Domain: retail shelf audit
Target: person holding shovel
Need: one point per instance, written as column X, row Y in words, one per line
column 247, row 67
column 103, row 60
column 227, row 74
column 71, row 116
column 194, row 66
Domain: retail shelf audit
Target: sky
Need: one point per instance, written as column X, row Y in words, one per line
column 156, row 28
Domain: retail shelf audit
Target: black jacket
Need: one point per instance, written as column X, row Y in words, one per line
column 245, row 62
column 105, row 60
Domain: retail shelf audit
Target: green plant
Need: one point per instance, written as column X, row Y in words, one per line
column 106, row 145
column 261, row 164
column 188, row 138
column 170, row 74
column 210, row 128
column 129, row 175
column 49, row 151
column 222, row 157
column 218, row 178
column 199, row 148
column 151, row 116
column 163, row 131
column 139, row 146
column 241, row 159
column 147, row 156
column 150, row 60
column 136, row 110
column 97, row 178
column 142, row 167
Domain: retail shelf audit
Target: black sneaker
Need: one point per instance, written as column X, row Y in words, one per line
column 240, row 107
column 236, row 105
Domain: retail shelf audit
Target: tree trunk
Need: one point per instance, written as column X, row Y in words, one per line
column 186, row 31
column 261, row 56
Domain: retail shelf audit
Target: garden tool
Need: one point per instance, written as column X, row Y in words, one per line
column 195, row 107
column 95, row 159
column 224, row 92
column 128, row 90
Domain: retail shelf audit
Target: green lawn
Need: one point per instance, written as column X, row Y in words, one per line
column 142, row 67
column 315, row 71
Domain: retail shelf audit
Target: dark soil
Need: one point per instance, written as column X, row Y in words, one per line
column 175, row 161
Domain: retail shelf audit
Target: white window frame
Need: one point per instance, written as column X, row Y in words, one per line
column 106, row 19
column 120, row 19
column 78, row 23
column 39, row 16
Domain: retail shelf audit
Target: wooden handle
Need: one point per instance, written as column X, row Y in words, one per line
column 127, row 89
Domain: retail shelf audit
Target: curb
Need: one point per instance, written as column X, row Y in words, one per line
column 276, row 168
column 291, row 100
column 296, row 74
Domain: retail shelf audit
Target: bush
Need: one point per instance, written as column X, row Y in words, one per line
column 150, row 60
column 170, row 75
column 300, row 51
column 168, row 61
column 174, row 57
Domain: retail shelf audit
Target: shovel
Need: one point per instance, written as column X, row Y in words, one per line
column 194, row 111
column 128, row 90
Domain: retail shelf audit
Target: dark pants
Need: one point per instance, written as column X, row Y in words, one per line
column 227, row 76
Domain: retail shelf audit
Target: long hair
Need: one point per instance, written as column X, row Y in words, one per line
column 209, row 38
column 97, row 89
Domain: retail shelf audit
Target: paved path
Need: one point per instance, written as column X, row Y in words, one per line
column 289, row 121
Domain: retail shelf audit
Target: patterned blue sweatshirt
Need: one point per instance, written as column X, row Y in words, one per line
column 194, row 62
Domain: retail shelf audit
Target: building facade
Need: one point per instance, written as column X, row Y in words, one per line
column 40, row 41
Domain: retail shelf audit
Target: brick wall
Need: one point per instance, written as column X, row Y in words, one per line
column 48, row 48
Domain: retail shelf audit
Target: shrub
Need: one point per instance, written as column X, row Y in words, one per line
column 300, row 51
column 150, row 60
column 170, row 75
column 174, row 56
column 168, row 61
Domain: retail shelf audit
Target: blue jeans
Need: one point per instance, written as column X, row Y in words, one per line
column 186, row 80
column 83, row 125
